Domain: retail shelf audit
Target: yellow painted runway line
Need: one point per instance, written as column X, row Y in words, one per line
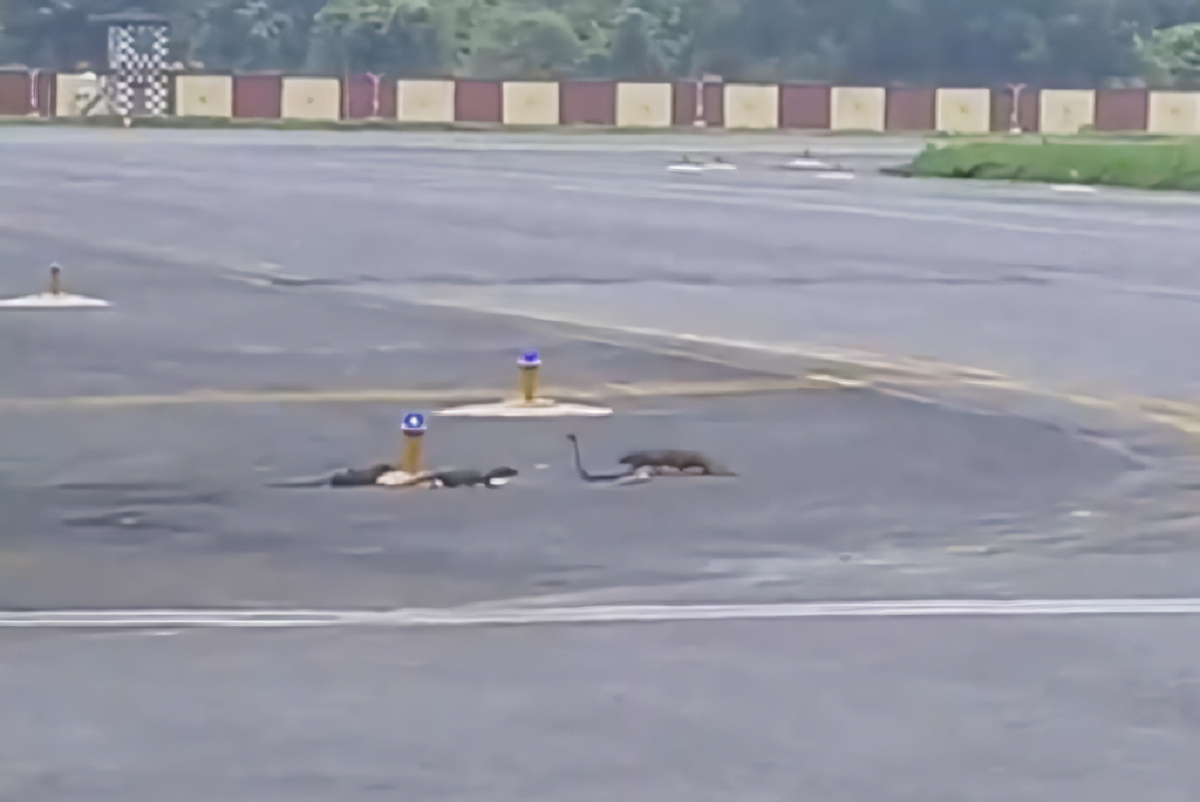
column 218, row 397
column 864, row 368
column 432, row 397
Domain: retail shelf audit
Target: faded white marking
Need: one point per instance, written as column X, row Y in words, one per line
column 727, row 199
column 539, row 408
column 479, row 616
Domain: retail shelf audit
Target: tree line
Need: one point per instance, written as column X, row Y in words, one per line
column 1063, row 43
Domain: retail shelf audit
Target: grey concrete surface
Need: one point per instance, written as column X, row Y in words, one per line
column 268, row 262
column 985, row 275
column 162, row 506
column 904, row 711
column 779, row 142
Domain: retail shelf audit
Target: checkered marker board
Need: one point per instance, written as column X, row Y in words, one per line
column 138, row 55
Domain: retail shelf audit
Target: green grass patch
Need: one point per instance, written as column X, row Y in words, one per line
column 1169, row 163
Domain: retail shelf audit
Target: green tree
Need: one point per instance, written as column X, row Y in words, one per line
column 379, row 36
column 1172, row 55
column 970, row 42
column 652, row 38
column 250, row 35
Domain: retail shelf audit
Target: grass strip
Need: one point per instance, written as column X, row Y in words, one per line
column 1151, row 163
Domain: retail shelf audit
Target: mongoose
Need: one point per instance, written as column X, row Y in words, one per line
column 470, row 478
column 681, row 461
column 366, row 477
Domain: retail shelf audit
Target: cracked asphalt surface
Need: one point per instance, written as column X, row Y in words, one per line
column 264, row 261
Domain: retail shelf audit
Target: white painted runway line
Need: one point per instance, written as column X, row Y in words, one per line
column 484, row 616
column 719, row 196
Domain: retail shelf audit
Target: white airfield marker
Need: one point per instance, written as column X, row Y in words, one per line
column 46, row 300
column 686, row 165
column 530, row 404
column 807, row 163
column 55, row 298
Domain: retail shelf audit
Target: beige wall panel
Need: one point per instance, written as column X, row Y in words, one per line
column 1174, row 113
column 204, row 96
column 964, row 111
column 644, row 105
column 1066, row 111
column 857, row 108
column 751, row 106
column 425, row 101
column 530, row 103
column 312, row 99
column 71, row 90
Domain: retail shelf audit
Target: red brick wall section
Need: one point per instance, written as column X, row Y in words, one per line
column 387, row 98
column 359, row 97
column 587, row 102
column 804, row 106
column 258, row 96
column 1027, row 115
column 478, row 101
column 911, row 109
column 47, row 93
column 14, row 93
column 683, row 104
column 1122, row 109
column 714, row 105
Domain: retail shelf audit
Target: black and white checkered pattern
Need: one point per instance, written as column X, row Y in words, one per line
column 138, row 56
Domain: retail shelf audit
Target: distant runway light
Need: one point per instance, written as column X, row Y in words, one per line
column 808, row 163
column 54, row 298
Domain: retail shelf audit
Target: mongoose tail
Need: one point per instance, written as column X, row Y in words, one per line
column 346, row 477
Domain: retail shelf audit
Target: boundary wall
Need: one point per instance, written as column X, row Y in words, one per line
column 637, row 104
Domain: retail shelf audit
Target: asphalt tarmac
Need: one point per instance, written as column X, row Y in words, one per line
column 160, row 498
column 366, row 267
column 910, row 711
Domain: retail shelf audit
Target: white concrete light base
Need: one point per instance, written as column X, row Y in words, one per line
column 400, row 478
column 809, row 164
column 538, row 408
column 53, row 300
column 687, row 165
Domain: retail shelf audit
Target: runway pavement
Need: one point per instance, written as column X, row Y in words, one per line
column 897, row 710
column 315, row 286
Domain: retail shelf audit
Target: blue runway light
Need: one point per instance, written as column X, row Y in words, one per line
column 413, row 422
column 529, row 359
